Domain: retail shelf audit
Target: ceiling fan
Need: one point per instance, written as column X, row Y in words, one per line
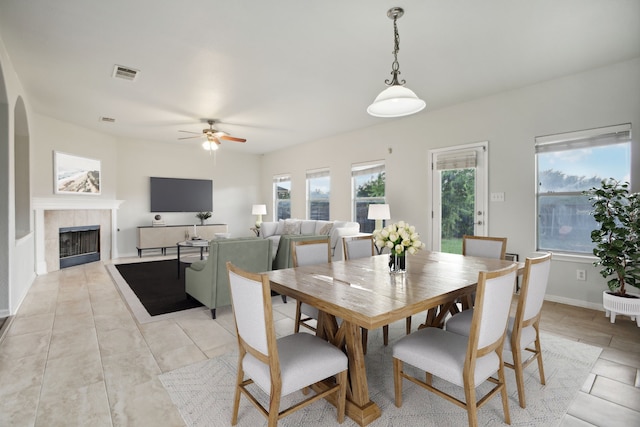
column 213, row 136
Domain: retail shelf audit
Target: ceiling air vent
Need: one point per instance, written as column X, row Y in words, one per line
column 107, row 119
column 126, row 73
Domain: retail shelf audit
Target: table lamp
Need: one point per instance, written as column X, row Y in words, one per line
column 259, row 210
column 379, row 213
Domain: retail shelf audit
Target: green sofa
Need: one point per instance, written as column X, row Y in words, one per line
column 208, row 281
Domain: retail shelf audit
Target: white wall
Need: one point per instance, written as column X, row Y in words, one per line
column 126, row 166
column 16, row 255
column 235, row 185
column 55, row 135
column 509, row 121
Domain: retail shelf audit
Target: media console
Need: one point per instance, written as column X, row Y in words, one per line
column 168, row 236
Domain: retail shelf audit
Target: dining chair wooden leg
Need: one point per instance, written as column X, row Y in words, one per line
column 385, row 335
column 471, row 404
column 397, row 381
column 503, row 394
column 342, row 379
column 236, row 399
column 296, row 327
column 408, row 325
column 539, row 356
column 274, row 408
column 518, row 369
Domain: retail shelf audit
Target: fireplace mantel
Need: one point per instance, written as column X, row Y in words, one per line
column 60, row 203
column 80, row 203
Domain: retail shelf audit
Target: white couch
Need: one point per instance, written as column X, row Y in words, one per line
column 305, row 229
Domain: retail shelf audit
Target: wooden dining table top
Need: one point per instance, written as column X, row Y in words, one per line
column 364, row 292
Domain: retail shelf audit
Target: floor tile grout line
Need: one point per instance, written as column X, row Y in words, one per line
column 46, row 362
column 104, row 374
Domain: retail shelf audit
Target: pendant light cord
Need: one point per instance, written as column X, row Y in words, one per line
column 395, row 65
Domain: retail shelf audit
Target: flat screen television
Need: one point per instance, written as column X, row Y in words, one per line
column 181, row 195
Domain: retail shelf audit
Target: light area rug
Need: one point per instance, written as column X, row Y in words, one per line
column 203, row 392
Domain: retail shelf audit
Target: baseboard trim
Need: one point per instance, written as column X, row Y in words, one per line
column 574, row 302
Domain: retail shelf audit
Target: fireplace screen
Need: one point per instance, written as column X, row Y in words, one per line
column 79, row 245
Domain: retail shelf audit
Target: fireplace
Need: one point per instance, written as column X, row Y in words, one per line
column 79, row 245
column 54, row 213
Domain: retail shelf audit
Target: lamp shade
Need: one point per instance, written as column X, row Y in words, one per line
column 379, row 212
column 259, row 210
column 396, row 101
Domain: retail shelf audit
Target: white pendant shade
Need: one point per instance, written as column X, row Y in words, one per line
column 396, row 101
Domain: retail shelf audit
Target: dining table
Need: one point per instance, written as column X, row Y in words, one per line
column 363, row 293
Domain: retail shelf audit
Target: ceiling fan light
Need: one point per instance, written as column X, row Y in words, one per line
column 396, row 101
column 210, row 146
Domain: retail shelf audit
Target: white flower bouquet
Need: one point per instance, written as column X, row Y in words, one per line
column 401, row 238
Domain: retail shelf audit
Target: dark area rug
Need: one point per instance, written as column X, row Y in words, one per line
column 157, row 286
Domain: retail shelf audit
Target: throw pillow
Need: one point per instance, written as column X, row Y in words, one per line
column 326, row 229
column 280, row 228
column 291, row 227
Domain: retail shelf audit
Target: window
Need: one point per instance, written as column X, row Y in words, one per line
column 567, row 164
column 368, row 181
column 282, row 197
column 318, row 190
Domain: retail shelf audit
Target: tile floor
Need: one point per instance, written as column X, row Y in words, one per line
column 75, row 356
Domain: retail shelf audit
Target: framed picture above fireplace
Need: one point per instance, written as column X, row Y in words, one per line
column 75, row 174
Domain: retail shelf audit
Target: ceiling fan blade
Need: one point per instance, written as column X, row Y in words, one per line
column 234, row 139
column 216, row 140
column 191, row 137
column 188, row 131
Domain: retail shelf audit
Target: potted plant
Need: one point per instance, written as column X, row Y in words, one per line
column 617, row 212
column 203, row 216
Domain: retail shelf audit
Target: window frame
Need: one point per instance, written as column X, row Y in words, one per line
column 358, row 169
column 277, row 179
column 311, row 176
column 602, row 137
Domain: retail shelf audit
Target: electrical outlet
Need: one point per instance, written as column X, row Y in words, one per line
column 497, row 197
column 581, row 274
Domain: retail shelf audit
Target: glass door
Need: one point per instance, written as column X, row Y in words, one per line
column 459, row 189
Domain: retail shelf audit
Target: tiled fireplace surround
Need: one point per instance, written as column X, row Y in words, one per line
column 53, row 213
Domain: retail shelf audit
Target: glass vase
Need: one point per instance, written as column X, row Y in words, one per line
column 397, row 263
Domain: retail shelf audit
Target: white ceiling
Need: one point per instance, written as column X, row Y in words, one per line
column 285, row 72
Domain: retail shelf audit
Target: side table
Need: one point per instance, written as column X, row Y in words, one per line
column 202, row 244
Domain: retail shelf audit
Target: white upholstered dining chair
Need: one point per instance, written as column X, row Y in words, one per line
column 461, row 360
column 523, row 329
column 308, row 252
column 278, row 366
column 360, row 247
column 357, row 247
column 484, row 246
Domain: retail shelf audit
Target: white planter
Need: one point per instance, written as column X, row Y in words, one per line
column 614, row 305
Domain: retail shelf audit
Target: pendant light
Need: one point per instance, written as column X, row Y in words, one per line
column 396, row 100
